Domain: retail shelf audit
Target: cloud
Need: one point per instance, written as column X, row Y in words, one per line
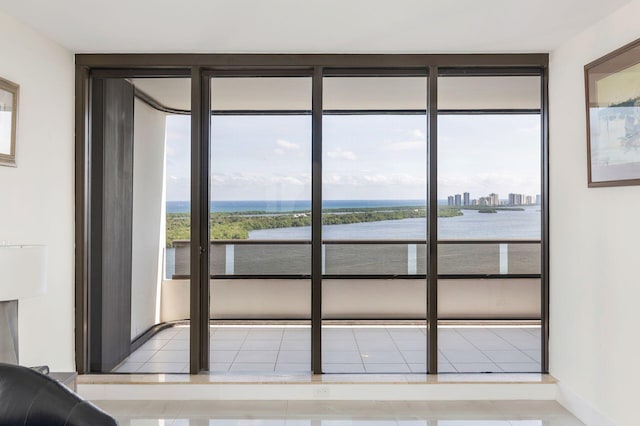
column 406, row 146
column 394, row 179
column 374, row 179
column 417, row 133
column 530, row 131
column 245, row 180
column 279, row 151
column 286, row 144
column 344, row 155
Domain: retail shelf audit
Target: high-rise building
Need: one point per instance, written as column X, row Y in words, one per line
column 538, row 199
column 517, row 199
column 494, row 199
column 528, row 200
column 450, row 200
column 458, row 200
column 466, row 199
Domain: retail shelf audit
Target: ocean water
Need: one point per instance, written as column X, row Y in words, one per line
column 283, row 206
column 524, row 224
column 505, row 224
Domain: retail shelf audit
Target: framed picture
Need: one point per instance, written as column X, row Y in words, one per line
column 8, row 121
column 613, row 117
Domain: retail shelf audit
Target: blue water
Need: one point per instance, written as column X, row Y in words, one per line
column 281, row 206
column 472, row 225
column 505, row 224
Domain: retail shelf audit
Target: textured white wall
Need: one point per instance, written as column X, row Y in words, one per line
column 595, row 285
column 148, row 214
column 36, row 198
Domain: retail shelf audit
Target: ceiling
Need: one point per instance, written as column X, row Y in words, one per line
column 298, row 26
column 350, row 93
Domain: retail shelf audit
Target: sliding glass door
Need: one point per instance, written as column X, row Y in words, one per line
column 139, row 303
column 374, row 224
column 317, row 218
column 489, row 133
column 260, row 215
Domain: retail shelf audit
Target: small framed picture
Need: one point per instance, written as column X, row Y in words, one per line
column 8, row 121
column 613, row 118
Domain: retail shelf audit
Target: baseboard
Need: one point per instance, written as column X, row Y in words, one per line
column 314, row 390
column 581, row 408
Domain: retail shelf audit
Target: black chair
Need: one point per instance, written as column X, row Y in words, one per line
column 29, row 398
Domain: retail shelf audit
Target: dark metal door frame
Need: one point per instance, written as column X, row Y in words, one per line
column 200, row 67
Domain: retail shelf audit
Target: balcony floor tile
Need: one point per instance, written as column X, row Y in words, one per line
column 345, row 350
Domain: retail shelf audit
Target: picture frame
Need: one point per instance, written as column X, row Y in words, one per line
column 612, row 85
column 9, row 92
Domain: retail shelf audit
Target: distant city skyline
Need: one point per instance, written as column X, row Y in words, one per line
column 493, row 199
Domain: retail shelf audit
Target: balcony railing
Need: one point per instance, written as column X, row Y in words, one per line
column 364, row 279
column 366, row 258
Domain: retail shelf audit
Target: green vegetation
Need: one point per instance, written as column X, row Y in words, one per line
column 446, row 211
column 236, row 225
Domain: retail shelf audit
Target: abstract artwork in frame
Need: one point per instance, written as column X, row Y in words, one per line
column 613, row 118
column 8, row 121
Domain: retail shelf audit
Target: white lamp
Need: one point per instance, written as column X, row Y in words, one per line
column 22, row 275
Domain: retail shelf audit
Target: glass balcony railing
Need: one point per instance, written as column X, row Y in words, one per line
column 384, row 258
column 370, row 279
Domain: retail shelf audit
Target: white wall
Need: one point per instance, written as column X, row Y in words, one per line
column 357, row 299
column 148, row 214
column 595, row 236
column 36, row 198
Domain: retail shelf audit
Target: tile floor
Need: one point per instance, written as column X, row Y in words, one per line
column 339, row 413
column 346, row 349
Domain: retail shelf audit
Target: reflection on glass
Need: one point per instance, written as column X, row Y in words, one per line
column 444, row 417
column 178, row 195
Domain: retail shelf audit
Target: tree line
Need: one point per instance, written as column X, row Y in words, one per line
column 237, row 225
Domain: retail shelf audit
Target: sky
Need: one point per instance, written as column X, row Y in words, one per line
column 364, row 156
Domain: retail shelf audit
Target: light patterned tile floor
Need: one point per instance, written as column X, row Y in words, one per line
column 356, row 349
column 339, row 413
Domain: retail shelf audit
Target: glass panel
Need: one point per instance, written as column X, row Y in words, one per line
column 374, row 259
column 489, row 172
column 469, row 259
column 261, row 94
column 161, row 231
column 489, row 326
column 240, row 257
column 487, row 93
column 489, row 258
column 489, row 299
column 524, row 258
column 374, row 225
column 375, row 93
column 260, row 224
